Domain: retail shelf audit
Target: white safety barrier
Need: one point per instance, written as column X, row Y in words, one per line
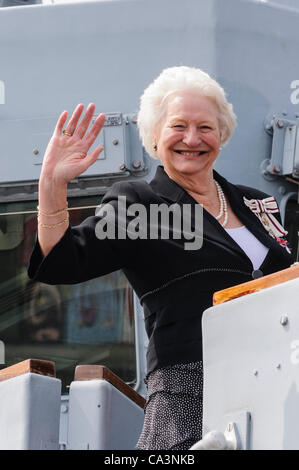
column 251, row 359
column 29, row 412
column 102, row 417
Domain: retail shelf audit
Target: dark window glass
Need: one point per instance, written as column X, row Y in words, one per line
column 87, row 323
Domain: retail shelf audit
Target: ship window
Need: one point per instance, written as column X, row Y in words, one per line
column 87, row 323
column 292, row 226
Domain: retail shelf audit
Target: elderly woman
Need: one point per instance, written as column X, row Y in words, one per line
column 184, row 120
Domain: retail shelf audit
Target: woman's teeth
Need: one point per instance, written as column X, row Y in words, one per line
column 190, row 154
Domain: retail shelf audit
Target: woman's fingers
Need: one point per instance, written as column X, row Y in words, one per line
column 92, row 156
column 95, row 130
column 72, row 124
column 89, row 159
column 60, row 123
column 79, row 130
column 84, row 124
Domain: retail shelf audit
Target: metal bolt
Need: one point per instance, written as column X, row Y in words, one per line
column 278, row 366
column 284, row 320
column 64, row 408
column 134, row 119
column 136, row 164
column 255, row 372
column 99, row 406
column 122, row 167
column 282, row 190
column 35, row 151
column 276, row 169
column 279, row 123
column 115, row 142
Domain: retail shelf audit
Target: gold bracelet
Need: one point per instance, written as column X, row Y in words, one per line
column 53, row 225
column 53, row 214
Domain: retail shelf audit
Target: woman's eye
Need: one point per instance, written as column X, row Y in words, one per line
column 178, row 126
column 205, row 128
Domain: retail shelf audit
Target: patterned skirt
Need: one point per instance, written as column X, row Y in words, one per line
column 173, row 410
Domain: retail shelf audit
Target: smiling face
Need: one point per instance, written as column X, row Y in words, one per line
column 188, row 138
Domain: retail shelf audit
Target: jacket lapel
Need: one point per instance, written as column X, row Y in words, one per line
column 172, row 192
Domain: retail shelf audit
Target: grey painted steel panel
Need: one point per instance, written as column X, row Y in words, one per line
column 33, row 135
column 107, row 52
column 251, row 365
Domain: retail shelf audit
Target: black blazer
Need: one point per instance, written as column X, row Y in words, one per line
column 174, row 285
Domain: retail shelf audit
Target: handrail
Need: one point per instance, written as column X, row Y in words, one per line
column 256, row 285
column 36, row 366
column 92, row 372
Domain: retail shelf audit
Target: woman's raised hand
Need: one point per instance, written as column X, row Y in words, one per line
column 67, row 156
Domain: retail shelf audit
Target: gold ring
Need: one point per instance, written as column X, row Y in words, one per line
column 67, row 133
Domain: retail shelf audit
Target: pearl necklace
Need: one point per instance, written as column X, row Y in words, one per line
column 223, row 205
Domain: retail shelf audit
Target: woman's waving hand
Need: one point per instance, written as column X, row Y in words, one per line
column 67, row 156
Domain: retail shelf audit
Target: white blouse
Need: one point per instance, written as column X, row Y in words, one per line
column 253, row 248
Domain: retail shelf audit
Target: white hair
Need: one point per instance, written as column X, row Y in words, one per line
column 174, row 80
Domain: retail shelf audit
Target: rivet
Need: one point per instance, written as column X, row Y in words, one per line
column 284, row 320
column 115, row 142
column 122, row 167
column 255, row 372
column 35, row 151
column 278, row 366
